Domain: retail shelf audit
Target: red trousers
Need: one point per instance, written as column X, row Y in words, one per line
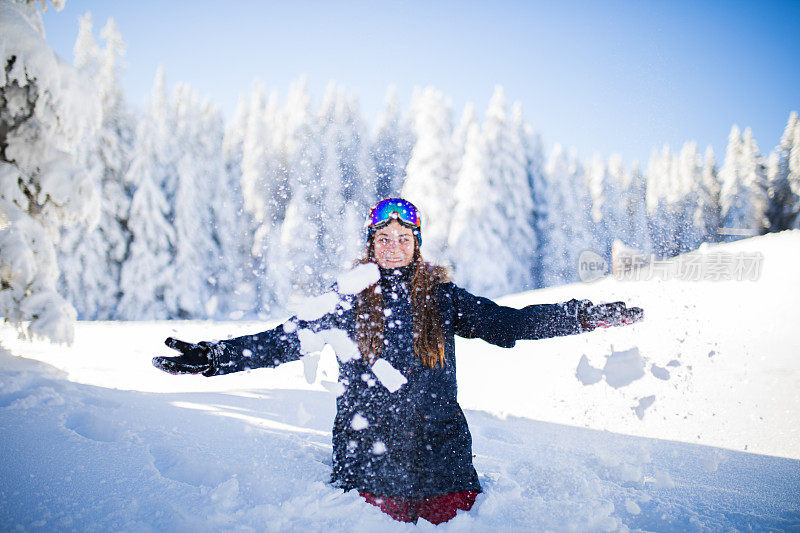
column 435, row 510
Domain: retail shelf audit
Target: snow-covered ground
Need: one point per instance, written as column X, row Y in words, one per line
column 689, row 420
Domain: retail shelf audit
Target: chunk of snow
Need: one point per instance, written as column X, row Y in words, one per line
column 310, row 341
column 642, row 406
column 586, row 373
column 378, row 448
column 334, row 387
column 390, row 377
column 346, row 350
column 623, row 368
column 315, row 307
column 359, row 422
column 659, row 372
column 358, row 279
column 310, row 364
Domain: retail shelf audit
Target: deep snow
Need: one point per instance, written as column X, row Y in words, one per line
column 686, row 421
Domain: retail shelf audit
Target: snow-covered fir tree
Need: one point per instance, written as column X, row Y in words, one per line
column 46, row 111
column 264, row 185
column 783, row 181
column 563, row 218
column 193, row 253
column 345, row 137
column 492, row 241
column 743, row 194
column 534, row 166
column 91, row 257
column 301, row 231
column 635, row 203
column 392, row 148
column 614, row 221
column 689, row 172
column 228, row 273
column 663, row 195
column 429, row 175
column 146, row 273
column 706, row 215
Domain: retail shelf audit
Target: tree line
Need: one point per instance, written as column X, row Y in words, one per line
column 173, row 213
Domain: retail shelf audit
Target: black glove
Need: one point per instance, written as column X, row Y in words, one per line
column 194, row 358
column 607, row 315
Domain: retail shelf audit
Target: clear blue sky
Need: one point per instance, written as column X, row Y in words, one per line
column 604, row 77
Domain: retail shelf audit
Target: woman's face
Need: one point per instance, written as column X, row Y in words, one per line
column 393, row 245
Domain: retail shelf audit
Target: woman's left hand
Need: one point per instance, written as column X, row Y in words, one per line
column 608, row 315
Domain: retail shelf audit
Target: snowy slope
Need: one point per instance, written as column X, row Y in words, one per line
column 94, row 438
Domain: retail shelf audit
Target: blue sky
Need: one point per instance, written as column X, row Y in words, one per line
column 604, row 77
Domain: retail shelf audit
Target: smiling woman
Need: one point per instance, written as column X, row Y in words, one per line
column 405, row 449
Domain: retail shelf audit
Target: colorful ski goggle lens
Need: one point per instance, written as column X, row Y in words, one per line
column 394, row 208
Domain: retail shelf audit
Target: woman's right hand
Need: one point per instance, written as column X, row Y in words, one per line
column 194, row 358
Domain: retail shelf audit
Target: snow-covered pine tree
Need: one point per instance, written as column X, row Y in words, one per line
column 743, row 196
column 635, row 202
column 663, row 192
column 784, row 186
column 193, row 251
column 537, row 183
column 91, row 257
column 706, row 217
column 331, row 181
column 563, row 217
column 146, row 271
column 614, row 217
column 264, row 187
column 794, row 178
column 46, row 110
column 228, row 268
column 689, row 172
column 429, row 173
column 301, row 231
column 468, row 118
column 344, row 126
column 392, row 148
column 491, row 240
column 508, row 162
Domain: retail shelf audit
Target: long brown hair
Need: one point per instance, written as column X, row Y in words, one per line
column 427, row 323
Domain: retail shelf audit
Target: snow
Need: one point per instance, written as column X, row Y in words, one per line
column 95, row 438
column 358, row 279
column 389, row 376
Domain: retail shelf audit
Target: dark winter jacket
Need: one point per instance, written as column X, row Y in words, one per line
column 417, row 443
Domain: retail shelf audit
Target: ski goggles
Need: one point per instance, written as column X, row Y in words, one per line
column 397, row 209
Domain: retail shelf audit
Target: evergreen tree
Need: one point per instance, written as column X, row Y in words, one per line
column 537, row 185
column 301, row 231
column 264, row 185
column 493, row 208
column 635, row 202
column 91, row 257
column 41, row 189
column 784, row 186
column 563, row 218
column 392, row 148
column 743, row 196
column 429, row 174
column 146, row 273
column 192, row 250
column 706, row 218
column 690, row 170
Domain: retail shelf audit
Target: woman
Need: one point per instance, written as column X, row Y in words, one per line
column 408, row 451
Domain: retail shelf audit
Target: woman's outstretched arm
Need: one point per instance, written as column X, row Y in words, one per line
column 266, row 349
column 478, row 317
